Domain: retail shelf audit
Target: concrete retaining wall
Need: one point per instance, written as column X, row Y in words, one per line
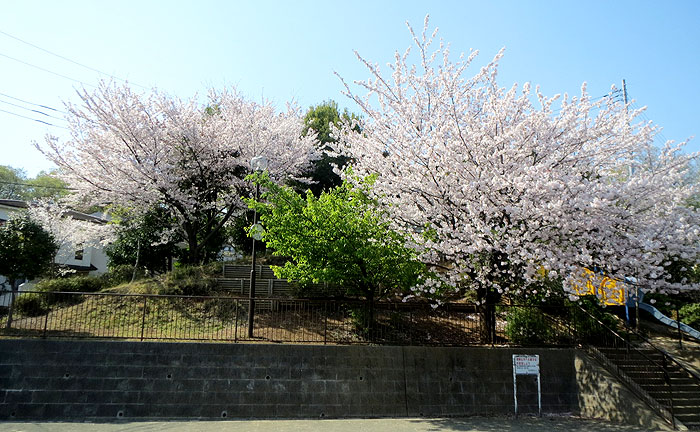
column 83, row 379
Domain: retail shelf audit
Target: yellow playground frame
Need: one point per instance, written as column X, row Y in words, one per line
column 611, row 292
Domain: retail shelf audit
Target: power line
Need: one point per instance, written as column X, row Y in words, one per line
column 32, row 110
column 36, row 120
column 645, row 117
column 47, row 70
column 69, row 60
column 612, row 95
column 32, row 103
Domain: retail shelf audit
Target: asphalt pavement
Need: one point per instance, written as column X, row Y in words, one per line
column 470, row 424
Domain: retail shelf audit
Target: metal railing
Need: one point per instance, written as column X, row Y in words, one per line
column 174, row 317
column 668, row 358
column 625, row 359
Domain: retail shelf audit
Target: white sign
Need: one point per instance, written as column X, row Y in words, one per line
column 526, row 364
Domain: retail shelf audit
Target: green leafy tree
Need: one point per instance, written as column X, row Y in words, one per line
column 340, row 238
column 26, row 251
column 11, row 180
column 318, row 120
column 46, row 185
column 14, row 184
column 142, row 241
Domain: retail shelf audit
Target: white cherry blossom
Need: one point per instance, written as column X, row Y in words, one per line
column 144, row 150
column 501, row 185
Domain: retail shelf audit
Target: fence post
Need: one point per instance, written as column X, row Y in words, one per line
column 12, row 307
column 235, row 325
column 410, row 327
column 492, row 327
column 678, row 324
column 46, row 323
column 325, row 321
column 143, row 317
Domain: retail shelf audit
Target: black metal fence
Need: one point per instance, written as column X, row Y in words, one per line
column 161, row 317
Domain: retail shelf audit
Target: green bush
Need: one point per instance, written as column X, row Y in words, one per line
column 190, row 280
column 527, row 326
column 665, row 303
column 214, row 269
column 31, row 304
column 587, row 325
column 361, row 320
column 71, row 284
column 120, row 274
column 690, row 314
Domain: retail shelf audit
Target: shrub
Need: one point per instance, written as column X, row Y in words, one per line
column 31, row 304
column 690, row 314
column 666, row 304
column 527, row 326
column 190, row 280
column 120, row 274
column 586, row 325
column 361, row 320
column 72, row 284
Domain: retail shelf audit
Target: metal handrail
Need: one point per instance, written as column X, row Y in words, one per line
column 667, row 355
column 628, row 345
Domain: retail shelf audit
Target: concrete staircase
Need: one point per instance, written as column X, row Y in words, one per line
column 678, row 390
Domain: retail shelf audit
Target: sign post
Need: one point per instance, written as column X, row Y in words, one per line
column 526, row 365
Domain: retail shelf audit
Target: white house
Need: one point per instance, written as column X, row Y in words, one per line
column 90, row 260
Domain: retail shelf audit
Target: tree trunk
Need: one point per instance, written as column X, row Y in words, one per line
column 138, row 255
column 487, row 314
column 193, row 248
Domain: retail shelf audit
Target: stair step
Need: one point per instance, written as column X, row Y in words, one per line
column 692, row 421
column 686, row 411
column 680, row 398
column 676, row 394
column 674, row 381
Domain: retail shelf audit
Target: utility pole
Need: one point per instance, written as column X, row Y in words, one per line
column 627, row 118
column 631, row 172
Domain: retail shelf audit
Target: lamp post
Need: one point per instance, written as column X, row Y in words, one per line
column 257, row 164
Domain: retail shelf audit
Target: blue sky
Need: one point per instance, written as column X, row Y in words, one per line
column 285, row 50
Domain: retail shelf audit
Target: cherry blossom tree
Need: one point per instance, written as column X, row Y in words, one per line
column 141, row 151
column 507, row 189
column 70, row 230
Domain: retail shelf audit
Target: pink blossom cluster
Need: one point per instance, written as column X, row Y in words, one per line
column 70, row 232
column 503, row 190
column 140, row 150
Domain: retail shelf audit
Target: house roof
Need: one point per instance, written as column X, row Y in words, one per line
column 72, row 213
column 14, row 203
column 82, row 268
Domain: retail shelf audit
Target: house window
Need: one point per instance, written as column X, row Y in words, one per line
column 79, row 252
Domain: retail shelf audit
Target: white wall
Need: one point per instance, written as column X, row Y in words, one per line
column 66, row 255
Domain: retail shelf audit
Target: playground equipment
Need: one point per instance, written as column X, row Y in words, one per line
column 614, row 292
